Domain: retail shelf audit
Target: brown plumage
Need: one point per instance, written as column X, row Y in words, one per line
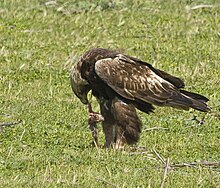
column 121, row 84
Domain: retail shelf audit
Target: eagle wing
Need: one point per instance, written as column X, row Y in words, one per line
column 170, row 78
column 133, row 80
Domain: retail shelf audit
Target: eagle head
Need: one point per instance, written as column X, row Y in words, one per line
column 79, row 85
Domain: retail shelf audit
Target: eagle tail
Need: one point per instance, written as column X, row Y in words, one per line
column 128, row 121
column 195, row 96
column 187, row 99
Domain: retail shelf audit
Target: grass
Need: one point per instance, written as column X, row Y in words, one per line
column 40, row 40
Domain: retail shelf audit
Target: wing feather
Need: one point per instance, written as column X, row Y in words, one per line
column 168, row 77
column 133, row 80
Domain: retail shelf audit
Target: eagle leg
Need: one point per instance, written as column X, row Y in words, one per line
column 128, row 123
column 109, row 124
column 94, row 117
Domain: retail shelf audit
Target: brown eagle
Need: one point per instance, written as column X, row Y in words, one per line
column 121, row 84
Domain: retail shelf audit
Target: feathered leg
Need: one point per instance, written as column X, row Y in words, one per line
column 120, row 138
column 128, row 123
column 108, row 124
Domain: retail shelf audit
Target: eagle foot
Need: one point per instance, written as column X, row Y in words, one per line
column 94, row 117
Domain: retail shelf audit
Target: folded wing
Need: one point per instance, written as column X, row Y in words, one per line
column 138, row 81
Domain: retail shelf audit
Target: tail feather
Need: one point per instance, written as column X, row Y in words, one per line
column 195, row 96
column 188, row 99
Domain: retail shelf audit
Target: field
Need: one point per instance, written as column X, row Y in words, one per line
column 49, row 147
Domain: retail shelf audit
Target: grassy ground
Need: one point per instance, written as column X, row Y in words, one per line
column 39, row 41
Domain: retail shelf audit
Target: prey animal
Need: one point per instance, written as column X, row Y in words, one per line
column 122, row 84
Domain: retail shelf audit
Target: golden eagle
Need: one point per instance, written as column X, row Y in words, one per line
column 121, row 84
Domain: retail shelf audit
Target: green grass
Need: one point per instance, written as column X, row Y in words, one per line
column 39, row 41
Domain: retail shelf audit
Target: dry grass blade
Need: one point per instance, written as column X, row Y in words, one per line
column 194, row 164
column 214, row 166
column 200, row 122
column 201, row 6
column 155, row 128
column 159, row 157
column 215, row 114
column 165, row 173
column 106, row 182
column 10, row 123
